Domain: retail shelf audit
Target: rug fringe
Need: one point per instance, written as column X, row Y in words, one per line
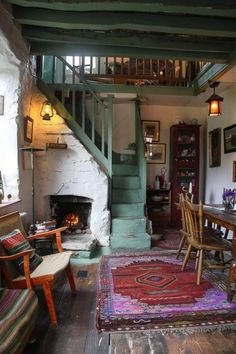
column 179, row 330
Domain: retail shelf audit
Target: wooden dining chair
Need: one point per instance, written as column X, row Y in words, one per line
column 199, row 237
column 50, row 267
column 183, row 232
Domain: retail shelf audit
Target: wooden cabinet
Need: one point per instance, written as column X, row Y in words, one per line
column 158, row 207
column 184, row 164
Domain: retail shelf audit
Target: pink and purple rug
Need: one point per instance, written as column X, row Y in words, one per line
column 148, row 291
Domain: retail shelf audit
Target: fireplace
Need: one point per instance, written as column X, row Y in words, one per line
column 71, row 211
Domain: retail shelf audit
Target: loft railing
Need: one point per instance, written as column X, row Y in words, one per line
column 122, row 70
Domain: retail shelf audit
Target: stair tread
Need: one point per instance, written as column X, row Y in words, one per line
column 121, row 203
column 123, row 233
column 129, row 218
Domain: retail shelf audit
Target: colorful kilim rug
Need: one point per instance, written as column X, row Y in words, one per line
column 148, row 291
column 170, row 239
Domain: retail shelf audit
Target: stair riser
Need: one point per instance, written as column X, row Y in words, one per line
column 126, row 196
column 129, row 226
column 131, row 241
column 135, row 210
column 126, row 182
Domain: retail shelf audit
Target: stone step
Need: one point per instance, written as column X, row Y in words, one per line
column 131, row 241
column 83, row 245
column 126, row 182
column 125, row 170
column 126, row 196
column 121, row 225
column 127, row 209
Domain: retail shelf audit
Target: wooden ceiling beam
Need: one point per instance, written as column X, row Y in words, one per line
column 128, row 39
column 175, row 24
column 211, row 8
column 94, row 50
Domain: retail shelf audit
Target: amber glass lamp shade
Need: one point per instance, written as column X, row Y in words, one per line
column 214, row 102
column 46, row 111
column 214, row 105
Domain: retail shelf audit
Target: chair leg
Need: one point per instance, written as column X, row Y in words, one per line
column 199, row 268
column 50, row 303
column 71, row 279
column 186, row 258
column 197, row 259
column 222, row 256
column 181, row 244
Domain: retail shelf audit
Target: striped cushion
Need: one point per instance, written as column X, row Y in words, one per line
column 15, row 242
column 18, row 314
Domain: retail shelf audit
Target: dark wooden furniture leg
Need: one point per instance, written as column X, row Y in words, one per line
column 232, row 272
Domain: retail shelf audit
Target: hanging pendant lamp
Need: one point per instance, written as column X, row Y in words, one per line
column 214, row 101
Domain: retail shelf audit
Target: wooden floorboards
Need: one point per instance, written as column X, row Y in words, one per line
column 76, row 333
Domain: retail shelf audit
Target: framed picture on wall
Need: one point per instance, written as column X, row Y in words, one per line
column 151, row 130
column 230, row 139
column 215, row 147
column 156, row 153
column 234, row 171
column 28, row 129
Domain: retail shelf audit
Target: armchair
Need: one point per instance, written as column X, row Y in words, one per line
column 46, row 272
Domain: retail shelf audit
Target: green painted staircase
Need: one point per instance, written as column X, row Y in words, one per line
column 127, row 208
column 127, row 183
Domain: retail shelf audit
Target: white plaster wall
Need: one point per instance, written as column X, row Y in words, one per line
column 219, row 177
column 9, row 78
column 169, row 115
column 72, row 171
column 123, row 125
column 13, row 67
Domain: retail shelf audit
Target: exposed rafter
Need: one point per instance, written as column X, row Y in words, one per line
column 162, row 23
column 93, row 50
column 128, row 39
column 188, row 7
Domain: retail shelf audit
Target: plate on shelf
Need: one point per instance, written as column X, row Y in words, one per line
column 157, row 198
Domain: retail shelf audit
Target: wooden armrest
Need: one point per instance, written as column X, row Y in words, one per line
column 17, row 255
column 25, row 254
column 55, row 232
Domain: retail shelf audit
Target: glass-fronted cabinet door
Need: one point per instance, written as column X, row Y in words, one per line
column 184, row 164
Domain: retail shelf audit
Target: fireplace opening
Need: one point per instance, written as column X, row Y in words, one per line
column 71, row 211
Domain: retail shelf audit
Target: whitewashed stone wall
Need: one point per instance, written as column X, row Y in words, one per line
column 71, row 171
column 13, row 68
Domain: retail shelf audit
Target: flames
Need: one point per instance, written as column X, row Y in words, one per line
column 71, row 220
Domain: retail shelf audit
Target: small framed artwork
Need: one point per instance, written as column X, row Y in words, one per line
column 151, row 130
column 1, row 105
column 215, row 147
column 234, row 171
column 28, row 129
column 156, row 153
column 230, row 139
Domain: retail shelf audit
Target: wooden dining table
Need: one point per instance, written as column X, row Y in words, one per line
column 226, row 219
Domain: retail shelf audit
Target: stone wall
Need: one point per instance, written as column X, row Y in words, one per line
column 71, row 171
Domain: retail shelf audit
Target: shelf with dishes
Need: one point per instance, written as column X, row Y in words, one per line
column 158, row 198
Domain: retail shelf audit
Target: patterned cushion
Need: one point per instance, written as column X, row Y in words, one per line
column 14, row 242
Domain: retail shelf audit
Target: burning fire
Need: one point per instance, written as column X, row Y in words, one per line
column 71, row 220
